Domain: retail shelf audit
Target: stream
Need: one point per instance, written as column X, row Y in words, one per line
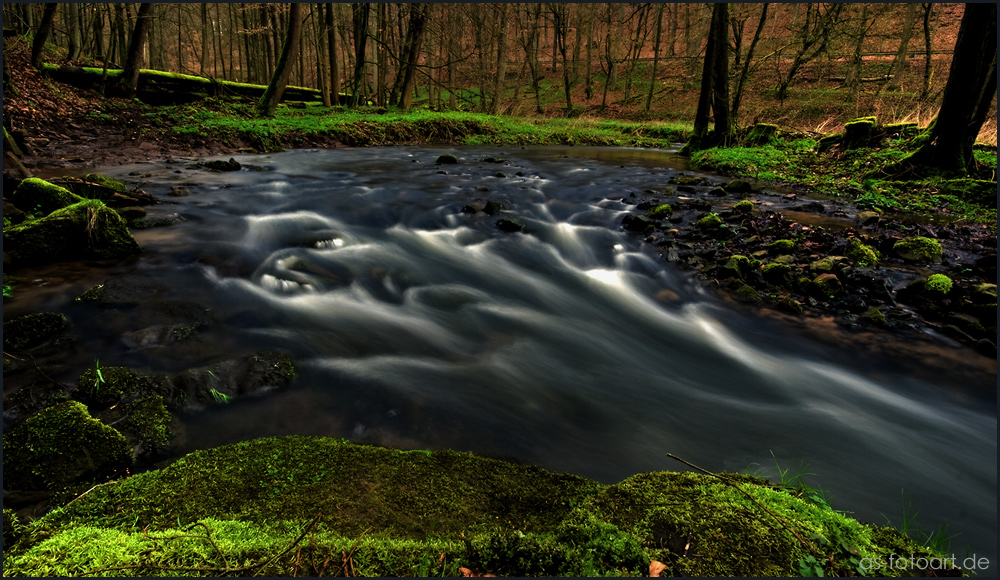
column 571, row 345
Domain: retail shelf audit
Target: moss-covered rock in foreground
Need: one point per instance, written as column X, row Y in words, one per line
column 37, row 196
column 84, row 230
column 61, row 445
column 33, row 329
column 313, row 500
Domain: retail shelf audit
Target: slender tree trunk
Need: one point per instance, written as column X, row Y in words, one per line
column 588, row 78
column 926, row 91
column 656, row 56
column 720, row 70
column 268, row 103
column 853, row 76
column 75, row 32
column 130, row 75
column 205, row 42
column 411, row 51
column 560, row 30
column 331, row 38
column 42, row 34
column 360, row 11
column 321, row 58
column 501, row 61
column 734, row 113
column 98, row 26
column 899, row 63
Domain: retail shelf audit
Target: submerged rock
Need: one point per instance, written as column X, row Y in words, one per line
column 31, row 330
column 219, row 165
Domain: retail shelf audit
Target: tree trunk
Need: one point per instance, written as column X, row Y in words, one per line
column 411, row 51
column 967, row 97
column 560, row 29
column 854, row 71
column 360, row 12
column 899, row 63
column 268, row 103
column 714, row 85
column 734, row 113
column 42, row 34
column 130, row 74
column 331, row 39
column 656, row 56
column 588, row 79
column 926, row 91
column 75, row 32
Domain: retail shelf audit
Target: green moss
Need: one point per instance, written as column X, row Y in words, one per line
column 861, row 253
column 661, row 211
column 826, row 285
column 777, row 273
column 790, row 305
column 446, row 158
column 85, row 230
column 427, row 513
column 39, row 197
column 746, row 293
column 106, row 182
column 31, row 330
column 918, row 249
column 737, row 266
column 744, row 206
column 148, row 422
column 105, row 386
column 781, row 246
column 710, row 222
column 13, row 529
column 60, row 445
column 874, row 315
column 938, row 284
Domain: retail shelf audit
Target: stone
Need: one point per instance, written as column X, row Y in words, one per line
column 62, row 445
column 31, row 330
column 861, row 253
column 918, row 249
column 37, row 197
column 510, row 225
column 739, row 186
column 826, row 285
column 85, row 230
column 446, row 159
column 219, row 165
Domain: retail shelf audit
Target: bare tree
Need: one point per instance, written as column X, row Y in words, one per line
column 899, row 62
column 136, row 49
column 814, row 38
column 42, row 34
column 925, row 92
column 268, row 103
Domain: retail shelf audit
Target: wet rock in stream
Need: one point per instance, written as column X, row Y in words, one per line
column 866, row 275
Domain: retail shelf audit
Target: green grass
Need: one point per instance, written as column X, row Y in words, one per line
column 363, row 127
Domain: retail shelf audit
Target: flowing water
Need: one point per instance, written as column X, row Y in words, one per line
column 572, row 345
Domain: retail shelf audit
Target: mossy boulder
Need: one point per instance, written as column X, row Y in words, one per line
column 744, row 206
column 661, row 211
column 788, row 305
column 145, row 423
column 737, row 266
column 85, row 230
column 739, row 186
column 777, row 273
column 389, row 509
column 860, row 253
column 984, row 294
column 710, row 222
column 39, row 197
column 62, row 445
column 109, row 182
column 101, row 387
column 937, row 285
column 826, row 286
column 859, row 132
column 30, row 330
column 446, row 159
column 918, row 249
column 781, row 246
column 874, row 316
column 761, row 134
column 30, row 399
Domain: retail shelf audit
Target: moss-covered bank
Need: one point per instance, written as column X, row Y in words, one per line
column 310, row 506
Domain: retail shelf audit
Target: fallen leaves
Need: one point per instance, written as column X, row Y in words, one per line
column 655, row 567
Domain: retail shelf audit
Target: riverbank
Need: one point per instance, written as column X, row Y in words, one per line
column 320, row 506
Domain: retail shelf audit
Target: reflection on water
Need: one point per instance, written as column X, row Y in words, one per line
column 416, row 324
